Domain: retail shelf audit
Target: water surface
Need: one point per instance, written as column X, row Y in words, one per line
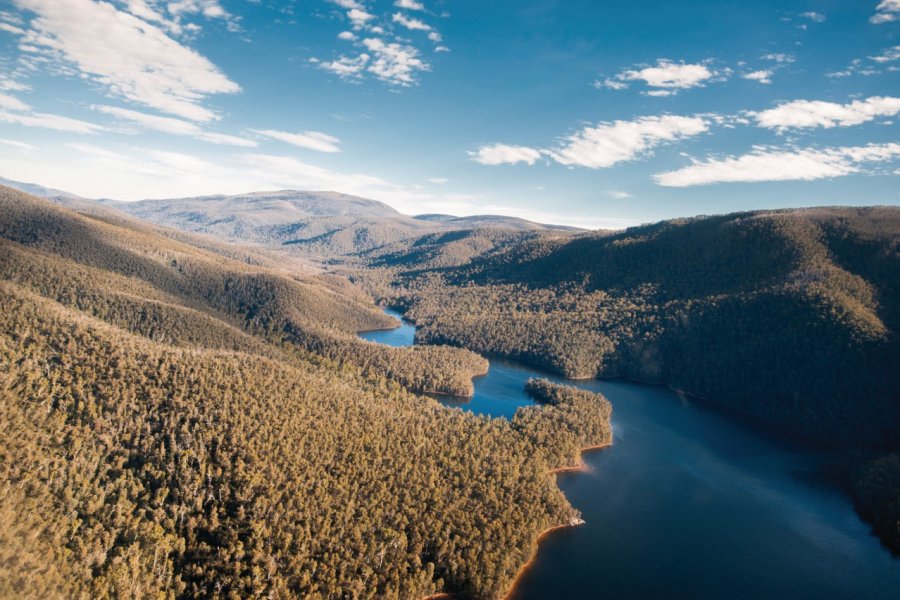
column 691, row 501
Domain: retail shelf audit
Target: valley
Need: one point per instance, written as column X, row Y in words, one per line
column 189, row 369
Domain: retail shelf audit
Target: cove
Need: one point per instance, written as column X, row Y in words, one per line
column 691, row 501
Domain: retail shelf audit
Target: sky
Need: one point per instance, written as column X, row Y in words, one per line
column 595, row 114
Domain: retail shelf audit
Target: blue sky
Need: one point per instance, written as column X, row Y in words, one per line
column 599, row 114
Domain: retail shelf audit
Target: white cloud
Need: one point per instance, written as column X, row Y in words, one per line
column 612, row 84
column 409, row 23
column 314, row 140
column 8, row 84
column 500, row 154
column 409, row 5
column 667, row 77
column 618, row 194
column 606, row 144
column 347, row 35
column 173, row 126
column 346, row 67
column 438, row 180
column 886, row 12
column 671, row 75
column 130, row 57
column 49, row 121
column 11, row 29
column 394, row 63
column 779, row 57
column 766, row 164
column 810, row 114
column 359, row 17
column 17, row 144
column 887, row 55
column 208, row 8
column 762, row 76
column 814, row 16
column 8, row 102
column 13, row 110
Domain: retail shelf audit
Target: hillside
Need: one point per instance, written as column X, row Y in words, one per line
column 790, row 316
column 176, row 422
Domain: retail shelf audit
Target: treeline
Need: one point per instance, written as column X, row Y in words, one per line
column 166, row 430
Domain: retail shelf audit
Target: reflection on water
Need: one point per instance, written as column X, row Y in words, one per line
column 692, row 502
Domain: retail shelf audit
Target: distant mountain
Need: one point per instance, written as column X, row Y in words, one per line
column 37, row 190
column 322, row 224
column 491, row 222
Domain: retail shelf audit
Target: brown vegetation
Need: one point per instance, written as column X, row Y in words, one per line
column 178, row 423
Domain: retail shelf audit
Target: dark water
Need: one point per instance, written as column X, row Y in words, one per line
column 692, row 502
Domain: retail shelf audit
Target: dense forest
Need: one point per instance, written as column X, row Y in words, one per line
column 788, row 316
column 179, row 419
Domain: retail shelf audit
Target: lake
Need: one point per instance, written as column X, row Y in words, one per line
column 691, row 501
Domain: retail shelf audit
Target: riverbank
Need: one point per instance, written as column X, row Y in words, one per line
column 673, row 499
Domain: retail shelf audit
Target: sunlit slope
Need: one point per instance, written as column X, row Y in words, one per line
column 177, row 423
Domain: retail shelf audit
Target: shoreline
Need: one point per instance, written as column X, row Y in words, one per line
column 580, row 467
column 543, row 535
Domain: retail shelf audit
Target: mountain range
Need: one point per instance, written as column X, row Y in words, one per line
column 322, row 224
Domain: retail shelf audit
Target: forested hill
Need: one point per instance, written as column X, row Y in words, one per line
column 181, row 420
column 791, row 316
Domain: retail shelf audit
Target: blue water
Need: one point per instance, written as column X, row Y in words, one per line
column 692, row 502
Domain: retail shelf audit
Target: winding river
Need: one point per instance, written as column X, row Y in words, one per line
column 692, row 502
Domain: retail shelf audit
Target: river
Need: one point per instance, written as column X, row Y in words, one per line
column 691, row 501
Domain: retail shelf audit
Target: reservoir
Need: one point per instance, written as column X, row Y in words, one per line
column 691, row 501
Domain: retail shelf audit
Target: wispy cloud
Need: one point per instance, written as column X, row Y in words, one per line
column 602, row 145
column 17, row 144
column 172, row 126
column 410, row 23
column 814, row 16
column 13, row 110
column 886, row 12
column 50, row 121
column 12, row 103
column 130, row 57
column 807, row 114
column 770, row 164
column 313, row 140
column 887, row 55
column 607, row 144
